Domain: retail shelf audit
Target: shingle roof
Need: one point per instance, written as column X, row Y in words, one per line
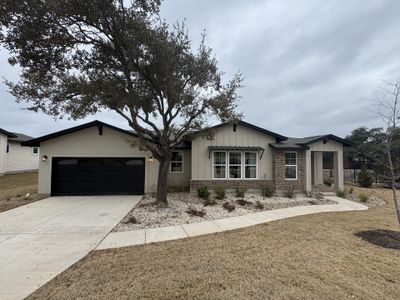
column 20, row 137
column 9, row 134
column 302, row 143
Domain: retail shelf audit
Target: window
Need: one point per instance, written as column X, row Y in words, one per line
column 250, row 164
column 235, row 165
column 176, row 165
column 35, row 150
column 290, row 165
column 219, row 164
column 8, row 148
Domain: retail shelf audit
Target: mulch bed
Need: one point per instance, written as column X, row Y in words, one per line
column 380, row 237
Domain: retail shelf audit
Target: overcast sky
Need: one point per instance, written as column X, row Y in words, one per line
column 310, row 67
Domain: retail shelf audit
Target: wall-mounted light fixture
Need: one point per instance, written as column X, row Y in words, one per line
column 151, row 159
column 44, row 158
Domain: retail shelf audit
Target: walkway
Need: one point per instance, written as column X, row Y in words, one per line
column 40, row 240
column 146, row 236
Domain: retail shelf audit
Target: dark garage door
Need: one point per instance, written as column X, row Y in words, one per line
column 97, row 176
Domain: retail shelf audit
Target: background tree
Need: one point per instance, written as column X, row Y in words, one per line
column 81, row 57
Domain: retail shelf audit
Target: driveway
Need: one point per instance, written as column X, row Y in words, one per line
column 40, row 240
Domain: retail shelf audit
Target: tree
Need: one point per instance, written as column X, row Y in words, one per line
column 80, row 57
column 389, row 112
column 364, row 178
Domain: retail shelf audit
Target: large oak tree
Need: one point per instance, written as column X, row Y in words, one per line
column 80, row 57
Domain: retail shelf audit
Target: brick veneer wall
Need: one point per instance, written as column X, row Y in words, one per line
column 279, row 171
column 228, row 184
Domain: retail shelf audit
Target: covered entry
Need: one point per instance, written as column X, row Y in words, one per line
column 97, row 176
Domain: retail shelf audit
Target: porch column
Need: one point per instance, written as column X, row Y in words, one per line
column 318, row 168
column 338, row 174
column 308, row 171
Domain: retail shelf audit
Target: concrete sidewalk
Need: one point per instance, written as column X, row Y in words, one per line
column 40, row 240
column 146, row 236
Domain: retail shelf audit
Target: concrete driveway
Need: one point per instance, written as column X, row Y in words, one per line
column 40, row 240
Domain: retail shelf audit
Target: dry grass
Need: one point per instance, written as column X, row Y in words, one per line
column 309, row 257
column 13, row 187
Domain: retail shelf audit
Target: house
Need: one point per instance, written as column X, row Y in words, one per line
column 14, row 157
column 98, row 158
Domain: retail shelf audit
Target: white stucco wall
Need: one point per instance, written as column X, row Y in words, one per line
column 225, row 136
column 3, row 145
column 88, row 143
column 20, row 158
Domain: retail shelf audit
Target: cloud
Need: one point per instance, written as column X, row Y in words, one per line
column 310, row 67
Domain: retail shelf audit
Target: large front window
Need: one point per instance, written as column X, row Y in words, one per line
column 234, row 165
column 290, row 165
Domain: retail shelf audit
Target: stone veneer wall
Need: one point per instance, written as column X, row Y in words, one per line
column 228, row 184
column 281, row 184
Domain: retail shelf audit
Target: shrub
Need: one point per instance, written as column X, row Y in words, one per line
column 239, row 192
column 259, row 205
column 219, row 192
column 289, row 192
column 363, row 197
column 196, row 212
column 202, row 192
column 268, row 190
column 364, row 178
column 228, row 206
column 351, row 190
column 243, row 202
column 132, row 220
column 312, row 202
column 328, row 181
column 341, row 194
column 209, row 202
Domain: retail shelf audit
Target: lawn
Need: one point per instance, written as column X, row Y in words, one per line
column 309, row 257
column 14, row 187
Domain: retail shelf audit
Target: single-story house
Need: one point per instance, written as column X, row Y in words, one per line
column 14, row 157
column 97, row 158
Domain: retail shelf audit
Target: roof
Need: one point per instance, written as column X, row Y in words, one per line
column 9, row 134
column 248, row 125
column 242, row 148
column 303, row 143
column 20, row 137
column 36, row 142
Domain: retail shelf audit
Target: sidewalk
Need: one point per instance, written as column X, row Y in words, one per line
column 152, row 235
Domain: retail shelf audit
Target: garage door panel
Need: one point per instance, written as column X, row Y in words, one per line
column 98, row 176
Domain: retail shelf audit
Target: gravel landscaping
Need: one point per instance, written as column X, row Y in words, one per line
column 148, row 215
column 371, row 199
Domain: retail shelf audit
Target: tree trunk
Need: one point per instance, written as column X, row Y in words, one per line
column 393, row 181
column 162, row 181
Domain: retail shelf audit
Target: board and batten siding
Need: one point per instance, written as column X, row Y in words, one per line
column 225, row 136
column 3, row 145
column 88, row 143
column 21, row 158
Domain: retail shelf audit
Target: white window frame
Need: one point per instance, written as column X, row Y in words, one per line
column 227, row 165
column 33, row 153
column 175, row 161
column 290, row 165
column 251, row 165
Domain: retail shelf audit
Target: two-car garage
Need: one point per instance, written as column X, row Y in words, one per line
column 97, row 176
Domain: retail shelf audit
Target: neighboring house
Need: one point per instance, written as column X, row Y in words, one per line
column 98, row 158
column 14, row 157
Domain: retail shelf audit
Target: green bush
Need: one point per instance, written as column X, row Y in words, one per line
column 341, row 194
column 239, row 192
column 202, row 192
column 364, row 178
column 328, row 181
column 219, row 192
column 228, row 206
column 363, row 197
column 268, row 190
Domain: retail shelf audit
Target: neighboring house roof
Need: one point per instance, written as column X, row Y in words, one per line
column 8, row 134
column 36, row 142
column 19, row 137
column 303, row 143
column 248, row 125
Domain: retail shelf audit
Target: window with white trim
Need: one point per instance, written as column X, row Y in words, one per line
column 35, row 150
column 235, row 165
column 290, row 165
column 250, row 165
column 176, row 165
column 219, row 164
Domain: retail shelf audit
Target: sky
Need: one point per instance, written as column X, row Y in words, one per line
column 309, row 67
